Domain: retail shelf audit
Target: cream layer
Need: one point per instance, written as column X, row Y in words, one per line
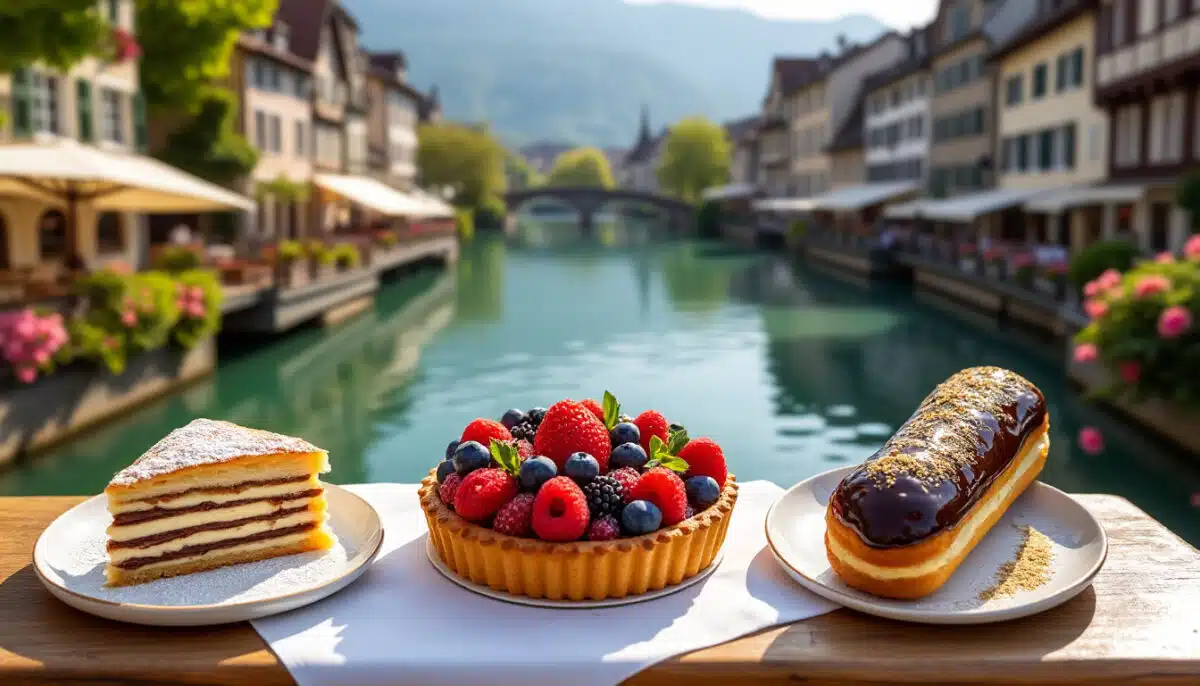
column 264, row 544
column 118, row 555
column 965, row 534
column 221, row 476
column 198, row 498
column 128, row 532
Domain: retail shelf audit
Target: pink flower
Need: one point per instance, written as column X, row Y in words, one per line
column 1086, row 352
column 1093, row 288
column 1095, row 308
column 1091, row 441
column 26, row 326
column 1165, row 258
column 1192, row 248
column 195, row 293
column 1111, row 278
column 1130, row 371
column 41, row 356
column 26, row 374
column 111, row 343
column 1151, row 285
column 1174, row 322
column 195, row 310
column 129, row 318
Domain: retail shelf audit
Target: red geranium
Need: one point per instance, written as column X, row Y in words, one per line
column 125, row 46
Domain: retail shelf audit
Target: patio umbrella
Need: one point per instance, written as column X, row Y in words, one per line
column 67, row 172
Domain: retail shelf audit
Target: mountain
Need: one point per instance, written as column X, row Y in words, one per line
column 580, row 70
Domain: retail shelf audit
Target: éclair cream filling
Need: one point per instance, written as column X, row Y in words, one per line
column 1026, row 461
column 264, row 544
column 128, row 532
column 200, row 538
column 191, row 499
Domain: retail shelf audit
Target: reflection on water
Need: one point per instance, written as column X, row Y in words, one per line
column 793, row 372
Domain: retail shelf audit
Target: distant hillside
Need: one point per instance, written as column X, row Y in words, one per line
column 579, row 70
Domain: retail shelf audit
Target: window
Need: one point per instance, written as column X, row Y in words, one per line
column 1173, row 136
column 1024, row 147
column 299, row 138
column 276, row 134
column 1060, row 81
column 260, row 130
column 110, row 233
column 1045, row 143
column 300, row 86
column 1094, row 142
column 1158, row 130
column 1119, row 22
column 960, row 20
column 1129, row 136
column 1068, row 146
column 1077, row 68
column 1014, row 90
column 52, row 235
column 112, row 122
column 275, row 74
column 1148, row 16
column 44, row 91
column 1172, row 10
column 114, row 11
column 1039, row 80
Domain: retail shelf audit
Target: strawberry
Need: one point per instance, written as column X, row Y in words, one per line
column 652, row 423
column 569, row 427
column 704, row 458
column 593, row 407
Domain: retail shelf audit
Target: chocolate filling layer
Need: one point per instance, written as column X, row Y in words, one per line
column 136, row 562
column 155, row 539
column 235, row 488
column 150, row 515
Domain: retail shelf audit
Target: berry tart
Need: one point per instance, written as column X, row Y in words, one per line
column 578, row 502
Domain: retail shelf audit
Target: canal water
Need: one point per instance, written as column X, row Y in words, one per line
column 791, row 370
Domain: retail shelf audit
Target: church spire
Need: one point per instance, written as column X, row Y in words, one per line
column 644, row 133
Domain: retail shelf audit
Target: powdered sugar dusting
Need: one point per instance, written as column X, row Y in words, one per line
column 207, row 441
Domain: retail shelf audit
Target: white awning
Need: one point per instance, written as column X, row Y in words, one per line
column 1063, row 199
column 906, row 210
column 432, row 206
column 65, row 171
column 732, row 191
column 967, row 208
column 857, row 197
column 372, row 194
column 783, row 205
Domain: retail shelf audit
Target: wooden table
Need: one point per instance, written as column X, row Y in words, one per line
column 1139, row 623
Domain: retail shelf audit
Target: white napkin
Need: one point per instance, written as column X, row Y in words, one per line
column 402, row 623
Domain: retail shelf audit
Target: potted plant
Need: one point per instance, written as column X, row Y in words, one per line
column 320, row 260
column 290, row 266
column 993, row 263
column 968, row 258
column 1022, row 269
column 346, row 256
column 1052, row 279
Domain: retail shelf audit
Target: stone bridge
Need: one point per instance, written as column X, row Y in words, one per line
column 587, row 201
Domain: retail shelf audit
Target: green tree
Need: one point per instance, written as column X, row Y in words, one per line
column 187, row 45
column 696, row 156
column 581, row 167
column 519, row 173
column 207, row 144
column 56, row 32
column 468, row 160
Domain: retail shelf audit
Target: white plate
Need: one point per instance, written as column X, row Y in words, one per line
column 69, row 558
column 565, row 604
column 796, row 535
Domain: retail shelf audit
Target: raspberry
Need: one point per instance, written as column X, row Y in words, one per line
column 569, row 428
column 665, row 489
column 604, row 528
column 593, row 407
column 525, row 449
column 651, row 423
column 516, row 517
column 449, row 488
column 483, row 492
column 560, row 511
column 605, row 496
column 704, row 458
column 627, row 476
column 484, row 430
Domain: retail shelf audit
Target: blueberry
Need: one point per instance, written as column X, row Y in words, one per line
column 450, row 448
column 444, row 470
column 640, row 517
column 512, row 418
column 536, row 471
column 627, row 455
column 470, row 456
column 702, row 491
column 625, row 433
column 537, row 414
column 581, row 467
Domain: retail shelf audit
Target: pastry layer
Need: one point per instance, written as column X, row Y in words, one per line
column 246, row 491
column 918, row 570
column 579, row 570
column 219, row 537
column 231, row 473
column 132, row 534
column 318, row 539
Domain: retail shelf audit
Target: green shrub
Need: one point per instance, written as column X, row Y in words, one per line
column 346, row 255
column 1187, row 196
column 178, row 258
column 490, row 214
column 1099, row 258
column 465, row 220
column 708, row 218
column 289, row 251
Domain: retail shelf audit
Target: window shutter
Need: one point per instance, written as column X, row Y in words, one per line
column 139, row 122
column 22, row 104
column 83, row 103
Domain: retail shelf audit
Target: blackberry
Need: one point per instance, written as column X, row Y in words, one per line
column 527, row 429
column 604, row 496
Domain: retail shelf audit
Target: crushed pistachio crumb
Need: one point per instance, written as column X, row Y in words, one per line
column 1029, row 570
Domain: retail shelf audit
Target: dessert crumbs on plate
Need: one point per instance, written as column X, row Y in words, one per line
column 1028, row 570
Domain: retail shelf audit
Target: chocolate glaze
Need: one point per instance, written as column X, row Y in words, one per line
column 155, row 539
column 929, row 474
column 136, row 562
column 139, row 516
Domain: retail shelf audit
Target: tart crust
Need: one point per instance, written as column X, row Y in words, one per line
column 579, row 570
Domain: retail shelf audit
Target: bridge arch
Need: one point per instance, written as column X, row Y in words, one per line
column 588, row 201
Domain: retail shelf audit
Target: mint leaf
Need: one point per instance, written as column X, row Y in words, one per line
column 507, row 456
column 612, row 410
column 674, row 464
column 658, row 448
column 677, row 440
column 660, row 456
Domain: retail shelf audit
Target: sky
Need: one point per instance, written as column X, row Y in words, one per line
column 902, row 14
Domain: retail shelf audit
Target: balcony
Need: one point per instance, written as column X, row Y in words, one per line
column 1170, row 51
